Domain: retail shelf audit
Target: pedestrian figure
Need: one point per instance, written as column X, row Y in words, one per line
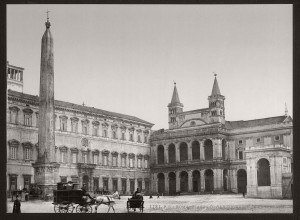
column 158, row 195
column 17, row 205
column 150, row 196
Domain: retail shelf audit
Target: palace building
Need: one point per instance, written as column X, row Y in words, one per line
column 103, row 149
column 201, row 152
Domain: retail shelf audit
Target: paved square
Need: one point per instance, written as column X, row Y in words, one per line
column 181, row 204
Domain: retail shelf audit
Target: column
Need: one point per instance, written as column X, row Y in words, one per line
column 233, row 180
column 202, row 179
column 166, row 153
column 166, row 183
column 202, row 156
column 177, row 181
column 177, row 152
column 154, row 154
column 276, row 177
column 189, row 149
column 190, row 181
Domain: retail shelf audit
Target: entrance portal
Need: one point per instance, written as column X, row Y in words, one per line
column 161, row 183
column 209, row 180
column 172, row 183
column 196, row 181
column 183, row 181
column 242, row 181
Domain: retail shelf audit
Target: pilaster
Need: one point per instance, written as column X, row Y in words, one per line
column 177, row 181
column 190, row 181
column 202, row 156
column 166, row 183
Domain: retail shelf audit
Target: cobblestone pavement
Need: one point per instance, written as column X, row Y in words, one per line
column 181, row 204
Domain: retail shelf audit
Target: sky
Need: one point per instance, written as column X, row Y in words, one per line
column 125, row 58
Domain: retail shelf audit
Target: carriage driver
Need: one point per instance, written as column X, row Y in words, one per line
column 85, row 193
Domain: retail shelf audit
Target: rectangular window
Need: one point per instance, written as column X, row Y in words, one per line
column 27, row 120
column 241, row 155
column 146, row 163
column 85, row 158
column 26, row 182
column 63, row 125
column 258, row 140
column 62, row 157
column 27, row 154
column 147, row 186
column 104, row 133
column 13, row 153
column 95, row 131
column 74, row 157
column 115, row 185
column 139, row 163
column 131, row 186
column 277, row 138
column 114, row 161
column 123, row 136
column 74, row 127
column 145, row 139
column 139, row 138
column 105, row 184
column 95, row 159
column 284, row 161
column 131, row 137
column 13, row 117
column 140, row 184
column 105, row 160
column 131, row 162
column 123, row 162
column 240, row 142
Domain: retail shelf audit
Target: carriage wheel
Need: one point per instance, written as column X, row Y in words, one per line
column 70, row 208
column 84, row 209
column 63, row 208
column 56, row 208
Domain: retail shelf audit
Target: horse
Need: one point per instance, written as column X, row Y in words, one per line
column 107, row 200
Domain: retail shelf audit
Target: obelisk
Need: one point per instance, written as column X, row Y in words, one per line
column 46, row 168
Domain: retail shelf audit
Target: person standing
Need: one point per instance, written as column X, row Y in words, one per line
column 17, row 205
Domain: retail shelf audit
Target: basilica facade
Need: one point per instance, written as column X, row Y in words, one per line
column 103, row 149
column 201, row 152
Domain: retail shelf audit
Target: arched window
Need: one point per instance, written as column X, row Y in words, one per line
column 263, row 172
column 160, row 154
column 172, row 154
column 195, row 150
column 208, row 150
column 183, row 151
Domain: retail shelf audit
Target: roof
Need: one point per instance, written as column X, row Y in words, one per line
column 255, row 122
column 175, row 98
column 58, row 103
column 216, row 89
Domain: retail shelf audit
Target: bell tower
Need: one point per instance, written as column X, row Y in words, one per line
column 175, row 107
column 216, row 104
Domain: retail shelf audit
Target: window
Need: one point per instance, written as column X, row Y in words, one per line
column 131, row 162
column 123, row 136
column 27, row 154
column 240, row 155
column 146, row 163
column 258, row 140
column 193, row 123
column 105, row 184
column 139, row 163
column 114, row 161
column 63, row 124
column 13, row 153
column 131, row 137
column 95, row 130
column 123, row 162
column 84, row 128
column 114, row 135
column 240, row 142
column 63, row 155
column 104, row 133
column 63, row 179
column 27, row 120
column 145, row 139
column 284, row 161
column 139, row 138
column 277, row 138
column 74, row 125
column 74, row 157
column 26, row 182
column 37, row 119
column 13, row 115
column 105, row 160
column 85, row 158
column 95, row 159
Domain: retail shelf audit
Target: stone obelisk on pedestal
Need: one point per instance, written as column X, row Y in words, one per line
column 46, row 168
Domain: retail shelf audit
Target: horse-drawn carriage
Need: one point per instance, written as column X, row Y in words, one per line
column 136, row 202
column 65, row 199
column 68, row 194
